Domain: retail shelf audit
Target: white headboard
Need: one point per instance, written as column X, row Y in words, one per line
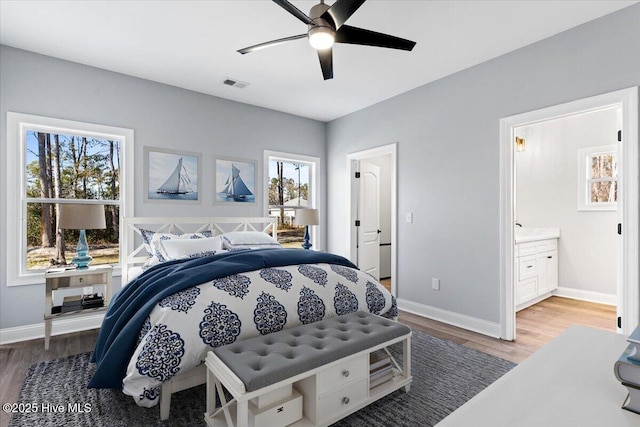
column 135, row 254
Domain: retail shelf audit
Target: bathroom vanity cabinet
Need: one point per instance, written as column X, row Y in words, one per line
column 536, row 269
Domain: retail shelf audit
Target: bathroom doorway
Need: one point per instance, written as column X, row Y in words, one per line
column 554, row 140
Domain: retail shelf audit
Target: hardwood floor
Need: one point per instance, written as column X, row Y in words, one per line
column 536, row 326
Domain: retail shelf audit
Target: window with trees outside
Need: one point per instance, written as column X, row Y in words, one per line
column 598, row 178
column 291, row 186
column 59, row 165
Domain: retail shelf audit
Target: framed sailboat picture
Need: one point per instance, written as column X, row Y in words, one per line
column 235, row 180
column 171, row 175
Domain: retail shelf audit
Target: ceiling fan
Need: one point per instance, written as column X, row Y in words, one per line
column 326, row 27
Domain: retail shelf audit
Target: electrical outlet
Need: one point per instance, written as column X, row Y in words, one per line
column 87, row 290
column 409, row 217
column 435, row 284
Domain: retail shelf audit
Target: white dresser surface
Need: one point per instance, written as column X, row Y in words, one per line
column 568, row 382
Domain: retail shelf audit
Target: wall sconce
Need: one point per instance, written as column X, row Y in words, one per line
column 519, row 144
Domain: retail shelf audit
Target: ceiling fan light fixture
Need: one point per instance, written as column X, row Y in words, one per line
column 321, row 38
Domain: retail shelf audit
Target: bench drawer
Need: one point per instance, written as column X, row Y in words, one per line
column 342, row 400
column 348, row 371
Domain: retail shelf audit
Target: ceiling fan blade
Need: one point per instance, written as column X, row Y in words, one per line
column 294, row 11
column 271, row 43
column 354, row 35
column 340, row 11
column 326, row 63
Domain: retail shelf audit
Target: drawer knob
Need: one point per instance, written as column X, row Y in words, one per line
column 345, row 400
column 345, row 373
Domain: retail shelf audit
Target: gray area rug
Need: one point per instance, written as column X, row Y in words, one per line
column 445, row 375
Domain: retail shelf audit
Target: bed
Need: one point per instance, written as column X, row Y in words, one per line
column 193, row 284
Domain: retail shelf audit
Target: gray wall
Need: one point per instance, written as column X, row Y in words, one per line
column 161, row 116
column 448, row 155
column 547, row 196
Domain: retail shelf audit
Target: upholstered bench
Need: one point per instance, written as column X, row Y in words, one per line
column 319, row 372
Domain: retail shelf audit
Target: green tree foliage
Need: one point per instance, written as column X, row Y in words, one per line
column 88, row 169
column 284, row 187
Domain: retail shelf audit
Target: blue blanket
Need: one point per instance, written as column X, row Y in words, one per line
column 132, row 305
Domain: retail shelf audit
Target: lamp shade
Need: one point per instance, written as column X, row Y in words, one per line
column 81, row 217
column 307, row 217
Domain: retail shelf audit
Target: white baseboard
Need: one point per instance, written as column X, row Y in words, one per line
column 59, row 327
column 456, row 319
column 591, row 296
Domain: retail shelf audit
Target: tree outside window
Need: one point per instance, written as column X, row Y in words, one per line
column 602, row 182
column 289, row 189
column 598, row 178
column 62, row 168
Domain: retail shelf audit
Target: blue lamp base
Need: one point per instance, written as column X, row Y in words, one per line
column 306, row 244
column 82, row 258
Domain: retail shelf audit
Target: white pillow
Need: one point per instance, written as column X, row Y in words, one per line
column 151, row 241
column 248, row 238
column 188, row 248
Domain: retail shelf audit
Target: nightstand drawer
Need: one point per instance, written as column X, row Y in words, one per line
column 343, row 373
column 78, row 280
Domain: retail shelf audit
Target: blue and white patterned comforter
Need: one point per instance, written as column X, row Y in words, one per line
column 184, row 326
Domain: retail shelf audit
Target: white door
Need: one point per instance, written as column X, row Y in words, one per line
column 369, row 216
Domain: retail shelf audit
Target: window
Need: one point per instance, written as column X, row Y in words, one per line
column 291, row 184
column 598, row 180
column 54, row 162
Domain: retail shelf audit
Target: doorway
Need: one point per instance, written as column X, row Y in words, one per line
column 372, row 218
column 627, row 287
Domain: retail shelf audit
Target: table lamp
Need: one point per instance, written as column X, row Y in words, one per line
column 306, row 217
column 82, row 217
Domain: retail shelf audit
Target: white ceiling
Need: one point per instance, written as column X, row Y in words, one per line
column 192, row 44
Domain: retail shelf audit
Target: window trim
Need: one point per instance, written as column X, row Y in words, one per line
column 584, row 178
column 17, row 125
column 314, row 183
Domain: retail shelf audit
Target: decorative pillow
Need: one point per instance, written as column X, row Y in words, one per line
column 190, row 248
column 248, row 239
column 151, row 241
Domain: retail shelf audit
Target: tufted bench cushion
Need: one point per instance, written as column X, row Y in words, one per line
column 268, row 359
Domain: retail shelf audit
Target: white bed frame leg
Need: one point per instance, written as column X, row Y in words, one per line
column 165, row 401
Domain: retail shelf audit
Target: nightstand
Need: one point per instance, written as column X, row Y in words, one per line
column 59, row 278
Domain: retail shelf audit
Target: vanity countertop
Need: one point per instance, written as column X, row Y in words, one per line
column 524, row 234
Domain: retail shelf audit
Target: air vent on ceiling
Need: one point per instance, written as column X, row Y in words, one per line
column 235, row 83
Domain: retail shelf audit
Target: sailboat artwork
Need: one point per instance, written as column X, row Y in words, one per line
column 172, row 175
column 232, row 187
column 178, row 182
